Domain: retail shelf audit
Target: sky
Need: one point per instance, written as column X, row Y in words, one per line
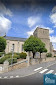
column 19, row 18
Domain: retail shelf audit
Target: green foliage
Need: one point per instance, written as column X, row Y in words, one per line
column 3, row 59
column 10, row 60
column 48, row 55
column 41, row 47
column 54, row 56
column 31, row 44
column 34, row 44
column 23, row 55
column 8, row 57
column 1, row 53
column 2, row 44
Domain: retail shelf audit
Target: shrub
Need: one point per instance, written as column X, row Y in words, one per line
column 23, row 55
column 54, row 56
column 16, row 56
column 10, row 60
column 48, row 55
column 1, row 53
column 7, row 57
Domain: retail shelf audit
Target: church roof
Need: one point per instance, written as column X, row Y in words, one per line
column 14, row 38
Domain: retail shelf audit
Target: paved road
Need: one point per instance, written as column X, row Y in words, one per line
column 34, row 79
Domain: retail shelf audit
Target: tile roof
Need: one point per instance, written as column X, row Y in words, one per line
column 14, row 38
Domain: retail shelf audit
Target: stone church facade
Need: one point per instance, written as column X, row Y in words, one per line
column 43, row 34
column 17, row 43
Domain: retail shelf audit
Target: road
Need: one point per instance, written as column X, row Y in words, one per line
column 36, row 78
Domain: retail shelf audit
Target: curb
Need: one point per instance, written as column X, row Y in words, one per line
column 17, row 76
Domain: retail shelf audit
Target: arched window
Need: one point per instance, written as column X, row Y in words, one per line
column 13, row 46
column 22, row 47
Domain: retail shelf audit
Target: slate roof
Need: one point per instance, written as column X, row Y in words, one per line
column 14, row 38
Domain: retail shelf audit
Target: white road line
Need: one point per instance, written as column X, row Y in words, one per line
column 17, row 76
column 11, row 76
column 37, row 69
column 5, row 77
column 0, row 77
column 51, row 71
column 55, row 73
column 43, row 71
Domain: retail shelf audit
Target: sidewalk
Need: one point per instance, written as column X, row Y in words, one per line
column 27, row 70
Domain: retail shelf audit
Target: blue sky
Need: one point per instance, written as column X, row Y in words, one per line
column 20, row 20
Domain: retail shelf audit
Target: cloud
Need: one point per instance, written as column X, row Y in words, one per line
column 53, row 40
column 54, row 45
column 54, row 9
column 30, row 32
column 33, row 20
column 4, row 10
column 5, row 25
column 53, row 16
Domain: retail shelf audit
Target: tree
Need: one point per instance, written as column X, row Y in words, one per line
column 31, row 44
column 41, row 48
column 2, row 44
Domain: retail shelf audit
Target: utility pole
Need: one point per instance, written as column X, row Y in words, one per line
column 12, row 57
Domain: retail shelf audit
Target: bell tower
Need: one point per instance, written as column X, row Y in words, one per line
column 43, row 34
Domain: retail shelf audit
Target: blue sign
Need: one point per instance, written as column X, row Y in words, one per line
column 49, row 79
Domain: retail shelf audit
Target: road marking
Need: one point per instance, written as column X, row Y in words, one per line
column 43, row 71
column 55, row 73
column 11, row 76
column 51, row 71
column 5, row 77
column 0, row 77
column 37, row 69
column 17, row 76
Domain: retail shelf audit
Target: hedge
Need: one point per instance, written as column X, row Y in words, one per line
column 1, row 53
column 48, row 55
column 15, row 57
column 54, row 56
column 23, row 55
column 12, row 61
column 9, row 56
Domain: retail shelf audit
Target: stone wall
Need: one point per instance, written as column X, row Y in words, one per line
column 18, row 65
column 6, row 67
column 38, row 60
column 43, row 34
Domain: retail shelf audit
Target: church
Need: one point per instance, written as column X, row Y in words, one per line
column 16, row 43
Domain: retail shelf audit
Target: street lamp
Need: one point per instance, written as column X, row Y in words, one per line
column 12, row 56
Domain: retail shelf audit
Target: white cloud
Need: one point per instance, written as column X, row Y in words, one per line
column 5, row 25
column 54, row 9
column 33, row 20
column 54, row 45
column 4, row 10
column 53, row 40
column 30, row 32
column 53, row 16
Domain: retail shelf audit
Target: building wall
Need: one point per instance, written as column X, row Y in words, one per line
column 43, row 34
column 17, row 46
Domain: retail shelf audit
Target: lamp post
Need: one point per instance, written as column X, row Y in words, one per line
column 12, row 56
